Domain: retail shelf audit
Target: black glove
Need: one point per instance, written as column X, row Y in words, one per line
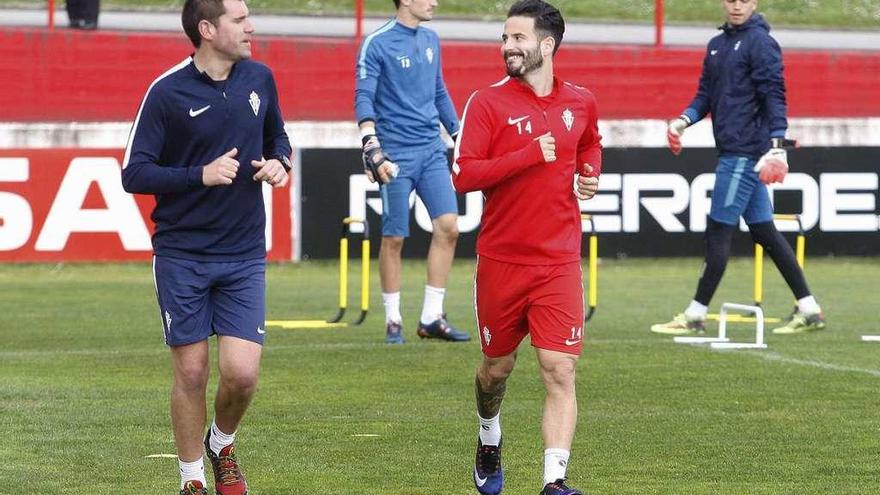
column 373, row 156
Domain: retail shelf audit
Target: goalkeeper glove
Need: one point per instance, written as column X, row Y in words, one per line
column 773, row 166
column 674, row 131
column 374, row 158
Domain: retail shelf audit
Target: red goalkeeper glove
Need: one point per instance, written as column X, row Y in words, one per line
column 773, row 166
column 674, row 131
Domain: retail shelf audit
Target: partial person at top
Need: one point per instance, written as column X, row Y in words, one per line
column 83, row 14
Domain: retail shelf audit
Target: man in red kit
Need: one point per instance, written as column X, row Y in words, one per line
column 522, row 142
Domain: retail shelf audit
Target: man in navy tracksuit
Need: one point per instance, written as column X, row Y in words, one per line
column 207, row 136
column 743, row 88
column 400, row 102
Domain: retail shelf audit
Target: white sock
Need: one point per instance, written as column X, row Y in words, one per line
column 391, row 300
column 696, row 311
column 490, row 430
column 219, row 440
column 555, row 464
column 433, row 307
column 192, row 471
column 808, row 305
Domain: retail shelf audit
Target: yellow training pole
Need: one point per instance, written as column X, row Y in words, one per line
column 801, row 244
column 343, row 272
column 594, row 272
column 365, row 275
column 759, row 274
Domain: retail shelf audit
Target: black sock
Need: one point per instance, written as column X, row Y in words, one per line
column 718, row 237
column 782, row 255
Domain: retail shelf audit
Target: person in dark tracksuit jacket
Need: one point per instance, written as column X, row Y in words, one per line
column 743, row 88
column 208, row 135
column 83, row 14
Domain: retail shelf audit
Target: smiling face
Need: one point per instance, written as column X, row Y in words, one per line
column 739, row 11
column 231, row 37
column 521, row 49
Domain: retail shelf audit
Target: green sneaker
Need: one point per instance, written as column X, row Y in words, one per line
column 801, row 323
column 680, row 325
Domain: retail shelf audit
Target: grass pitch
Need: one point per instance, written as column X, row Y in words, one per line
column 84, row 379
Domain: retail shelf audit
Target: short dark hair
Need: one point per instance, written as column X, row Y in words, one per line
column 548, row 19
column 396, row 4
column 194, row 12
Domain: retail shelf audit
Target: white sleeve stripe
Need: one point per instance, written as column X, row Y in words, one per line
column 137, row 118
column 362, row 68
column 501, row 82
column 455, row 168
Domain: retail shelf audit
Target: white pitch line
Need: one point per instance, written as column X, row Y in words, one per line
column 162, row 456
column 772, row 356
column 365, row 435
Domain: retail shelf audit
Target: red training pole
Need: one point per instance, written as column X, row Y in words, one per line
column 658, row 23
column 358, row 19
column 51, row 6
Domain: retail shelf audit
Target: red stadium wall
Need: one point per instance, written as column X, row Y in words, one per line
column 101, row 76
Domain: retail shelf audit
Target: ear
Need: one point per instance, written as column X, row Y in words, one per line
column 207, row 30
column 547, row 46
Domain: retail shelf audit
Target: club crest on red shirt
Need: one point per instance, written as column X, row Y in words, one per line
column 568, row 119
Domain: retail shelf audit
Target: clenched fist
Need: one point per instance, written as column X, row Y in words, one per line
column 222, row 170
column 548, row 146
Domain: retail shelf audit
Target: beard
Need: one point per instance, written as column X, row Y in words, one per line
column 531, row 61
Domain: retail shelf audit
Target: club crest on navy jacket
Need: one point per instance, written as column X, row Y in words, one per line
column 743, row 88
column 185, row 121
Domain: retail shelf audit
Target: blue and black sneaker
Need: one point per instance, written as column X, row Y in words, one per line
column 394, row 333
column 442, row 329
column 559, row 487
column 488, row 473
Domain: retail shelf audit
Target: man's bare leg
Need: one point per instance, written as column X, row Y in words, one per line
column 188, row 405
column 239, row 362
column 560, row 410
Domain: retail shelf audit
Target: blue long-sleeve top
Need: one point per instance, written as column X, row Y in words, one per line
column 742, row 86
column 185, row 121
column 400, row 87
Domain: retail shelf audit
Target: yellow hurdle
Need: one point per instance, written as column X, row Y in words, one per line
column 343, row 270
column 593, row 264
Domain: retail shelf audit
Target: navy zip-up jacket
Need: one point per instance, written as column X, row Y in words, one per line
column 400, row 87
column 743, row 88
column 185, row 121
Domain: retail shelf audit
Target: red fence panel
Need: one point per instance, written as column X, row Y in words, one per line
column 70, row 75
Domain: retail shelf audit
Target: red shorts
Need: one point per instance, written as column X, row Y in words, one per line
column 543, row 301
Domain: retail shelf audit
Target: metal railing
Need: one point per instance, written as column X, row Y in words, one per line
column 359, row 19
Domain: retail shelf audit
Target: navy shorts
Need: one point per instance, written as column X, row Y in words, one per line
column 198, row 299
column 739, row 192
column 427, row 172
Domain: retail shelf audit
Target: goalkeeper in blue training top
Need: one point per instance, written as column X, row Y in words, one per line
column 400, row 102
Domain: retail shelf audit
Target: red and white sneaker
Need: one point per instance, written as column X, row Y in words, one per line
column 228, row 479
column 193, row 487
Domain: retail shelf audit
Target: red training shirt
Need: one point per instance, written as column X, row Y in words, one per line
column 531, row 214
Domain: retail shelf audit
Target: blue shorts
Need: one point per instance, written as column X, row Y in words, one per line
column 198, row 299
column 427, row 171
column 739, row 192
